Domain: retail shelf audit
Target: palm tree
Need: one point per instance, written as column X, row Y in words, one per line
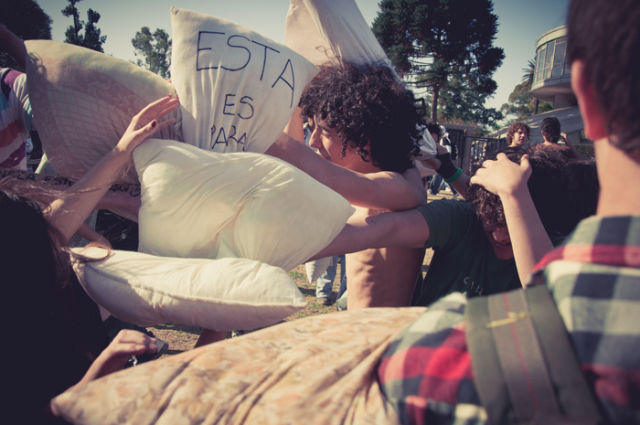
column 527, row 78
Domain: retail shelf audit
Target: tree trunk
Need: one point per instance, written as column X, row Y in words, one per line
column 535, row 106
column 434, row 104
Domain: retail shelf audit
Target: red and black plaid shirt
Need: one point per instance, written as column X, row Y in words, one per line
column 595, row 281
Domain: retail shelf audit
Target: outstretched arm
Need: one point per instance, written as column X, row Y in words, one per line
column 384, row 189
column 403, row 229
column 68, row 213
column 508, row 180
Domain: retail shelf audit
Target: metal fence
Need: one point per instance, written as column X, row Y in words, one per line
column 477, row 149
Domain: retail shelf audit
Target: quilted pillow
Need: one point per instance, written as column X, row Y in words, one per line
column 237, row 88
column 319, row 370
column 203, row 204
column 83, row 101
column 224, row 294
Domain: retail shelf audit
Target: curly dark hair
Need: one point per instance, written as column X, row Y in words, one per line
column 606, row 36
column 514, row 127
column 564, row 191
column 371, row 110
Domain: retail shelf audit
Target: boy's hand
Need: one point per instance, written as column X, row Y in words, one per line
column 503, row 177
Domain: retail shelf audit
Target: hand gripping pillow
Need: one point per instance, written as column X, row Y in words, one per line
column 224, row 294
column 237, row 88
column 211, row 205
column 83, row 101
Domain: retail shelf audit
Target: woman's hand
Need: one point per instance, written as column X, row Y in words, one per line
column 115, row 356
column 503, row 177
column 145, row 123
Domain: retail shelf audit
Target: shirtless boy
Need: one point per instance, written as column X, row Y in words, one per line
column 363, row 119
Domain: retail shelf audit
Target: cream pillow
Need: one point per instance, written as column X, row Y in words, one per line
column 211, row 205
column 83, row 101
column 224, row 294
column 237, row 88
column 326, row 30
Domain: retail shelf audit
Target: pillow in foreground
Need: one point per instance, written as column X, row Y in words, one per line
column 199, row 204
column 237, row 88
column 323, row 364
column 83, row 101
column 225, row 294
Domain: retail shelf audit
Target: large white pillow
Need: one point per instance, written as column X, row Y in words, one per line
column 328, row 30
column 237, row 88
column 224, row 294
column 83, row 101
column 213, row 205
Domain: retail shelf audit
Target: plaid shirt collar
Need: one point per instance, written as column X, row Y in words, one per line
column 596, row 240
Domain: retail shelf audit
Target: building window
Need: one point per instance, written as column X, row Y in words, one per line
column 551, row 60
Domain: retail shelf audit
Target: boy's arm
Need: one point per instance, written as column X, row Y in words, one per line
column 508, row 180
column 405, row 229
column 384, row 189
column 461, row 183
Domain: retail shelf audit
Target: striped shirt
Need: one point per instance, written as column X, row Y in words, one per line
column 15, row 119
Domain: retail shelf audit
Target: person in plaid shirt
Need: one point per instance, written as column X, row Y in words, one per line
column 594, row 277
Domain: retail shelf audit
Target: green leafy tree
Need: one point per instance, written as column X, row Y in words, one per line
column 27, row 20
column 442, row 45
column 82, row 33
column 155, row 49
column 521, row 103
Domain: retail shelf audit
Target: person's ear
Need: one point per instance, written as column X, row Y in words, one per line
column 595, row 124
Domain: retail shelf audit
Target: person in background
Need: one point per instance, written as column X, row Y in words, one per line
column 517, row 134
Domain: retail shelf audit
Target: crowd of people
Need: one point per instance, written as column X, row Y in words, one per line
column 524, row 219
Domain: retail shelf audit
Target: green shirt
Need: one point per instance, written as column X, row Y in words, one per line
column 463, row 259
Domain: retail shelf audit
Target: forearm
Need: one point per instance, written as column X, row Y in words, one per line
column 529, row 239
column 377, row 190
column 404, row 229
column 461, row 185
column 69, row 212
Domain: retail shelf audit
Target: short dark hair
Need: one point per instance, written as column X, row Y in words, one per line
column 514, row 127
column 370, row 108
column 606, row 36
column 550, row 129
column 564, row 191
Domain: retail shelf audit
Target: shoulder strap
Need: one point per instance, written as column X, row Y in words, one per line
column 524, row 367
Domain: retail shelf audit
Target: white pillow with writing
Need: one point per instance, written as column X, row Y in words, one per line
column 224, row 294
column 211, row 205
column 237, row 88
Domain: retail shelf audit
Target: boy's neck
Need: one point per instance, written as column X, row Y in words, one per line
column 619, row 176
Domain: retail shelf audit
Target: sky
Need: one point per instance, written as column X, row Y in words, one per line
column 520, row 24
